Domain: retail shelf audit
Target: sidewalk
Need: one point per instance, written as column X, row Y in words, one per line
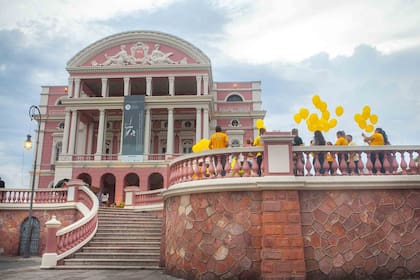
column 18, row 268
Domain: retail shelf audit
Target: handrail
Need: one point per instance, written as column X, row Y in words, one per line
column 74, row 236
column 305, row 161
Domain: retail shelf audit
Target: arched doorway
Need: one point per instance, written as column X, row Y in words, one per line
column 86, row 178
column 155, row 181
column 131, row 179
column 34, row 238
column 108, row 186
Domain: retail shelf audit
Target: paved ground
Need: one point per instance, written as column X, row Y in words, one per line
column 18, row 268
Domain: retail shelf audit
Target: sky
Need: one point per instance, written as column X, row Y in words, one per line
column 350, row 53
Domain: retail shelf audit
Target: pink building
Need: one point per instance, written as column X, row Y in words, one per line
column 134, row 101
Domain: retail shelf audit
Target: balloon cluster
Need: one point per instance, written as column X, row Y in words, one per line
column 364, row 118
column 201, row 145
column 324, row 122
column 259, row 124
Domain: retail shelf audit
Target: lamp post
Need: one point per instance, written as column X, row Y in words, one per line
column 34, row 113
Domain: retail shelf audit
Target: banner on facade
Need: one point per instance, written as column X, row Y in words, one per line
column 133, row 129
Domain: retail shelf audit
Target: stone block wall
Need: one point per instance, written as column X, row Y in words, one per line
column 361, row 234
column 234, row 235
column 340, row 234
column 11, row 221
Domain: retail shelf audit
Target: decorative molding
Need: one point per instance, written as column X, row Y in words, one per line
column 151, row 59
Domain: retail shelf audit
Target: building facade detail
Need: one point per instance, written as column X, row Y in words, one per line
column 182, row 105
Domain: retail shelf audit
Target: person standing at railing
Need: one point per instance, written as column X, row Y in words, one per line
column 352, row 156
column 341, row 141
column 219, row 140
column 378, row 138
column 319, row 140
column 259, row 143
column 2, row 186
column 297, row 141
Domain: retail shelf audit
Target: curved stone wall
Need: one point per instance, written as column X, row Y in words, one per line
column 361, row 234
column 212, row 235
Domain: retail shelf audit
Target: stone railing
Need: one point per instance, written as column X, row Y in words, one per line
column 134, row 197
column 19, row 196
column 232, row 162
column 68, row 240
column 355, row 160
column 298, row 161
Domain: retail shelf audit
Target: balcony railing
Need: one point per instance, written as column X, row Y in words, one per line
column 304, row 161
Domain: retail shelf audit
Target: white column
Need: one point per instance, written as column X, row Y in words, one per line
column 206, row 84
column 148, row 86
column 73, row 127
column 198, row 125
column 66, row 132
column 198, row 85
column 206, row 123
column 170, row 135
column 104, row 88
column 77, row 87
column 171, row 85
column 91, row 127
column 147, row 133
column 126, row 86
column 70, row 88
column 100, row 140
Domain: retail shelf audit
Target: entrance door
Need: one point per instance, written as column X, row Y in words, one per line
column 24, row 237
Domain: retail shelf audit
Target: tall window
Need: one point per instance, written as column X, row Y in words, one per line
column 57, row 150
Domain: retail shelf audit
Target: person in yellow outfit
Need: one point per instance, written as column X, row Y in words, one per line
column 330, row 159
column 258, row 142
column 219, row 140
column 378, row 138
column 341, row 141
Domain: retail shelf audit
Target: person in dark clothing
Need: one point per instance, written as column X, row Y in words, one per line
column 61, row 183
column 297, row 141
column 2, row 185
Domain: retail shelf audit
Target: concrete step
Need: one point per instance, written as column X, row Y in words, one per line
column 106, row 266
column 121, row 219
column 117, row 255
column 150, row 262
column 120, row 249
column 125, row 232
column 128, row 236
column 121, row 243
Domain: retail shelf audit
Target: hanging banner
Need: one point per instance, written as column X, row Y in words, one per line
column 133, row 129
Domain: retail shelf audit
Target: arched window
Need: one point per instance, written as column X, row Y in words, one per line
column 187, row 146
column 234, row 98
column 155, row 181
column 235, row 143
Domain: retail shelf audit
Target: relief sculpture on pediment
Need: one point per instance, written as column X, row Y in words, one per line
column 139, row 54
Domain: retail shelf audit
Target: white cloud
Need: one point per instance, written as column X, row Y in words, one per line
column 292, row 30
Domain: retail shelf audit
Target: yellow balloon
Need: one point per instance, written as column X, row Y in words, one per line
column 325, row 115
column 316, row 100
column 366, row 112
column 373, row 118
column 297, row 117
column 332, row 123
column 357, row 118
column 362, row 124
column 322, row 106
column 313, row 117
column 339, row 110
column 259, row 123
column 369, row 128
column 304, row 113
column 195, row 148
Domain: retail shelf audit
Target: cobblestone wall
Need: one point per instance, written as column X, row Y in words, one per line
column 361, row 234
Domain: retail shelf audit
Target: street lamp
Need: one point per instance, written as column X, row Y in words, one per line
column 34, row 113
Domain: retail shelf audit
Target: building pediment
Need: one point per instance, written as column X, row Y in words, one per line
column 143, row 48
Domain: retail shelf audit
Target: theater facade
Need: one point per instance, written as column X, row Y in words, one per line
column 133, row 102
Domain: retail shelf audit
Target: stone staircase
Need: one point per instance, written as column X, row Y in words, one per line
column 125, row 240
